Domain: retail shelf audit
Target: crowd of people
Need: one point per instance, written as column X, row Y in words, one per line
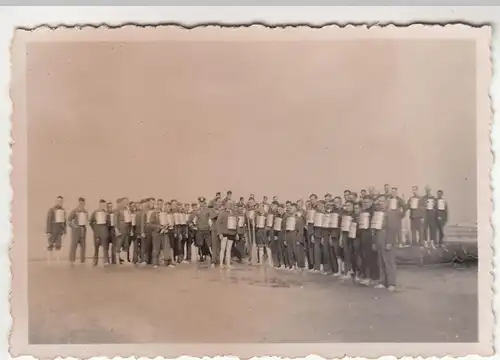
column 351, row 237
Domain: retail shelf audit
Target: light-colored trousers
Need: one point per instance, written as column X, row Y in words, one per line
column 225, row 250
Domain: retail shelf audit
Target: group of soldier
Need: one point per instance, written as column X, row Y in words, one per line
column 351, row 237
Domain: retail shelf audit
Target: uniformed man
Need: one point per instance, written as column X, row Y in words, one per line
column 441, row 215
column 229, row 196
column 397, row 204
column 123, row 225
column 265, row 204
column 185, row 255
column 239, row 249
column 216, row 199
column 416, row 209
column 385, row 231
column 226, row 227
column 318, row 239
column 346, row 263
column 78, row 220
column 336, row 252
column 55, row 228
column 147, row 232
column 99, row 225
column 387, row 191
column 260, row 233
column 250, row 221
column 430, row 226
column 215, row 241
column 290, row 239
column 158, row 224
column 193, row 253
column 271, row 244
column 354, row 239
column 347, row 196
column 309, row 244
column 203, row 231
column 111, row 223
column 368, row 263
column 133, row 248
column 278, row 238
column 300, row 224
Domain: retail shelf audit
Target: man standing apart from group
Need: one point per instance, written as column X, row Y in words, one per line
column 55, row 228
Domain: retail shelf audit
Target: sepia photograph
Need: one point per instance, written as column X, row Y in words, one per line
column 252, row 186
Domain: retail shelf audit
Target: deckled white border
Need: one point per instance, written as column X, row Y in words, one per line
column 31, row 17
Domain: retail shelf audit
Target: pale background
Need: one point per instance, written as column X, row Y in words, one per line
column 176, row 119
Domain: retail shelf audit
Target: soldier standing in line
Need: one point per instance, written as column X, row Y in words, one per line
column 78, row 220
column 239, row 245
column 111, row 223
column 441, row 216
column 193, row 250
column 203, row 231
column 226, row 226
column 253, row 256
column 215, row 239
column 385, row 230
column 417, row 211
column 430, row 227
column 147, row 232
column 132, row 253
column 309, row 243
column 365, row 235
column 101, row 232
column 397, row 208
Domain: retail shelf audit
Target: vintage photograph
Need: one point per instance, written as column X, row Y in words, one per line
column 254, row 185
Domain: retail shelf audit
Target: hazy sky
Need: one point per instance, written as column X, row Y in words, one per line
column 183, row 119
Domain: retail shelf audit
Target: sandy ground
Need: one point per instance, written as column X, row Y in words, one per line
column 192, row 303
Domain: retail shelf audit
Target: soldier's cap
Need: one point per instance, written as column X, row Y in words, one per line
column 194, row 204
column 328, row 195
column 201, row 199
column 102, row 201
column 160, row 200
column 81, row 199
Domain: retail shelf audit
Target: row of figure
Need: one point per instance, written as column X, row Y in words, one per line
column 339, row 236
